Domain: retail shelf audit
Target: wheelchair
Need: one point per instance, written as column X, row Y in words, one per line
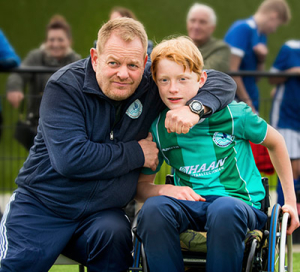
column 266, row 250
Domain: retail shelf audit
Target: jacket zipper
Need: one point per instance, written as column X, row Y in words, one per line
column 111, row 134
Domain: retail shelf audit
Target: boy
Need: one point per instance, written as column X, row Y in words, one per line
column 217, row 185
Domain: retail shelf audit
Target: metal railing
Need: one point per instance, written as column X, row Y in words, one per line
column 43, row 69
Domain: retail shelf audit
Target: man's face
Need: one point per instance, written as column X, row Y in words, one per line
column 199, row 27
column 271, row 23
column 175, row 85
column 120, row 67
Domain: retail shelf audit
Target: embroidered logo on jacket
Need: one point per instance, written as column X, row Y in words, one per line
column 135, row 109
column 222, row 139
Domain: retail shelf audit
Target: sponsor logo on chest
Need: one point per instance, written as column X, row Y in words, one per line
column 204, row 169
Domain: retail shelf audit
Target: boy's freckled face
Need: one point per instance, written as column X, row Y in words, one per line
column 175, row 85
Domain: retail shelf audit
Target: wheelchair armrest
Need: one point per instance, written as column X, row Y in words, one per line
column 169, row 179
column 265, row 203
column 134, row 228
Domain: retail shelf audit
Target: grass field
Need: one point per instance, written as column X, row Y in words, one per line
column 72, row 268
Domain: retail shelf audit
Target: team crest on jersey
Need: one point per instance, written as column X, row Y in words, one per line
column 222, row 139
column 135, row 109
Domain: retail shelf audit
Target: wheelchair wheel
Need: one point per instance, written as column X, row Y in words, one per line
column 144, row 260
column 250, row 260
column 277, row 242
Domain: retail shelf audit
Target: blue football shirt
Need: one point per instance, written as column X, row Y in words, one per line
column 286, row 103
column 242, row 36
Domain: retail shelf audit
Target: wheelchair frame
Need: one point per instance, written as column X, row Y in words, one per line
column 261, row 258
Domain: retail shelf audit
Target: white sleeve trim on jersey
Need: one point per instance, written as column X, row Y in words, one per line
column 237, row 51
column 264, row 137
column 294, row 44
column 232, row 121
column 251, row 23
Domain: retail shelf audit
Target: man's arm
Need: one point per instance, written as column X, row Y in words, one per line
column 280, row 159
column 146, row 188
column 17, row 81
column 217, row 92
column 72, row 153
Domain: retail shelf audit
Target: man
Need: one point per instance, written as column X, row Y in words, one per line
column 247, row 39
column 217, row 185
column 201, row 23
column 91, row 143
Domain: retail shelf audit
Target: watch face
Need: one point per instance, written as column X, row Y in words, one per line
column 196, row 106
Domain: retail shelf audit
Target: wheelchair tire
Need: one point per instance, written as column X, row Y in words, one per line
column 277, row 242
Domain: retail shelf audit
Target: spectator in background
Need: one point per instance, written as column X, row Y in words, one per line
column 285, row 114
column 8, row 59
column 201, row 24
column 248, row 41
column 117, row 12
column 56, row 51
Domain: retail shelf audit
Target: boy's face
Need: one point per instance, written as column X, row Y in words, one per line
column 271, row 22
column 175, row 85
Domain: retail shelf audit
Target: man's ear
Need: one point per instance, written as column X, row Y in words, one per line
column 94, row 58
column 203, row 79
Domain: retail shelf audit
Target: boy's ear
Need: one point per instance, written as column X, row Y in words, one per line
column 203, row 79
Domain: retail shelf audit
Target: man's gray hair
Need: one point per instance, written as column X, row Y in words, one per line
column 208, row 9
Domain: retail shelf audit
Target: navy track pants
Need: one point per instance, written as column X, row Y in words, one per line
column 226, row 220
column 32, row 237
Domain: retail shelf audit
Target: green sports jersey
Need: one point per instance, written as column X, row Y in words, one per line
column 215, row 157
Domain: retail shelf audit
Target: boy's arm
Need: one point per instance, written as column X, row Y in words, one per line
column 146, row 188
column 281, row 161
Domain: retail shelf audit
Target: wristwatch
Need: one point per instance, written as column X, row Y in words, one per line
column 196, row 107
